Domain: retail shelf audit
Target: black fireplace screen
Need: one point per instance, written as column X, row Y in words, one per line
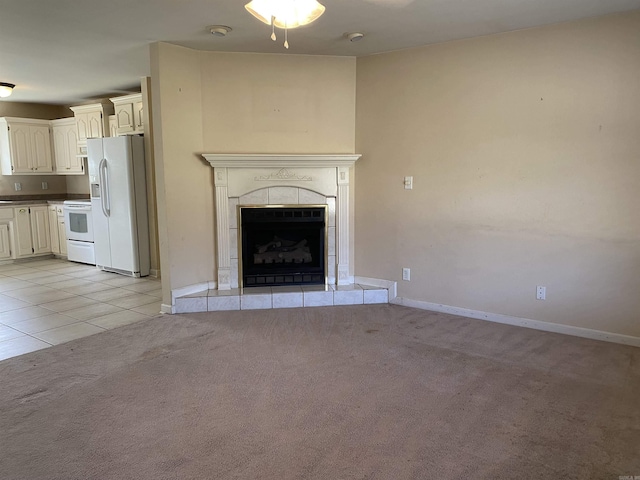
column 283, row 245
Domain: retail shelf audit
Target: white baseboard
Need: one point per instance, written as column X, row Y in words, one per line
column 520, row 322
column 377, row 282
column 164, row 308
column 154, row 273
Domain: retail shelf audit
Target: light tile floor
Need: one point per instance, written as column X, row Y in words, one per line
column 52, row 301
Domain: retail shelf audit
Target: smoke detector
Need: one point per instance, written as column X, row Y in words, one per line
column 355, row 37
column 219, row 30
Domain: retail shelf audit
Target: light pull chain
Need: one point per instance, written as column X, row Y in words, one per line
column 286, row 36
column 273, row 28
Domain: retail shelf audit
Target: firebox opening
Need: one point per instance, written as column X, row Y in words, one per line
column 283, row 245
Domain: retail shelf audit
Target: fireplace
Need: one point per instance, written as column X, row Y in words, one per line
column 283, row 245
column 272, row 180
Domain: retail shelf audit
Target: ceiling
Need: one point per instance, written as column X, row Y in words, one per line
column 71, row 51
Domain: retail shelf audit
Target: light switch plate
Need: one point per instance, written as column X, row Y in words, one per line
column 408, row 183
column 406, row 274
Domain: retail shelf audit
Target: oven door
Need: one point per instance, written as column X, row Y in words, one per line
column 78, row 222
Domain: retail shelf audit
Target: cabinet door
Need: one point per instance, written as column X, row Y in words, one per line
column 94, row 120
column 53, row 229
column 41, row 158
column 60, row 148
column 82, row 127
column 139, row 117
column 74, row 162
column 22, row 229
column 5, row 246
column 20, row 148
column 113, row 126
column 40, row 230
column 62, row 235
column 124, row 118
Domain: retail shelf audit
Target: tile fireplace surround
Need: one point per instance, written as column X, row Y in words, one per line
column 253, row 179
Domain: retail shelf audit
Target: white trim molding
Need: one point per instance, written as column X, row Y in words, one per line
column 280, row 160
column 520, row 322
column 169, row 309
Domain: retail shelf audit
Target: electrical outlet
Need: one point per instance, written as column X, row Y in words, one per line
column 45, row 185
column 406, row 274
column 541, row 293
column 17, row 186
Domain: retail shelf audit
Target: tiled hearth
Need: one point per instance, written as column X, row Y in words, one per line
column 281, row 297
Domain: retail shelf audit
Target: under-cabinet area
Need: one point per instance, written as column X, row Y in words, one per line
column 32, row 230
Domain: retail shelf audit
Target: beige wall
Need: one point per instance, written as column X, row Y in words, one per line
column 182, row 188
column 257, row 103
column 525, row 152
column 205, row 102
column 32, row 184
column 78, row 184
column 33, row 110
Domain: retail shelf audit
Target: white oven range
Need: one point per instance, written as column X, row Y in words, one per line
column 79, row 226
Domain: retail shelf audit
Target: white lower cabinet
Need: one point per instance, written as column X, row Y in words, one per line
column 53, row 229
column 62, row 235
column 32, row 232
column 57, row 230
column 5, row 244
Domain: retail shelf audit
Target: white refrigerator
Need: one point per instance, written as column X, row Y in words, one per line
column 119, row 204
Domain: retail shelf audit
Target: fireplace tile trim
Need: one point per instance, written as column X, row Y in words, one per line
column 263, row 197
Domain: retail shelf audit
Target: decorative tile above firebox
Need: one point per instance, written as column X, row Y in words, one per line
column 282, row 179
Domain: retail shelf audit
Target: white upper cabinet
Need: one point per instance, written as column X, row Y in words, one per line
column 129, row 114
column 113, row 126
column 25, row 146
column 65, row 147
column 92, row 121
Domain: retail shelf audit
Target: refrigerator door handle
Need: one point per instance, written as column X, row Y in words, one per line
column 104, row 187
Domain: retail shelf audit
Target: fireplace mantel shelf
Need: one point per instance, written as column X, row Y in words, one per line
column 277, row 160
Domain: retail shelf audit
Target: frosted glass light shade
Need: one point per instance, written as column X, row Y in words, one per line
column 285, row 13
column 6, row 89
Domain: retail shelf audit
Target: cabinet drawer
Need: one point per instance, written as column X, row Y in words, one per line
column 6, row 213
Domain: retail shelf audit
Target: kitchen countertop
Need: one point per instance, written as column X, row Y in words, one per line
column 11, row 203
column 7, row 201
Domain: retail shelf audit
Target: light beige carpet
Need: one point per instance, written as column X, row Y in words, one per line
column 360, row 392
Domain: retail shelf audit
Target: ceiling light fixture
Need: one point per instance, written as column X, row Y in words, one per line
column 355, row 37
column 285, row 14
column 6, row 89
column 219, row 30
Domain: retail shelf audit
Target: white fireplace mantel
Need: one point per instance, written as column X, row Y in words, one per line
column 239, row 174
column 248, row 160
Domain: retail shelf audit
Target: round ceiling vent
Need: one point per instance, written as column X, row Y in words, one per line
column 355, row 37
column 219, row 30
